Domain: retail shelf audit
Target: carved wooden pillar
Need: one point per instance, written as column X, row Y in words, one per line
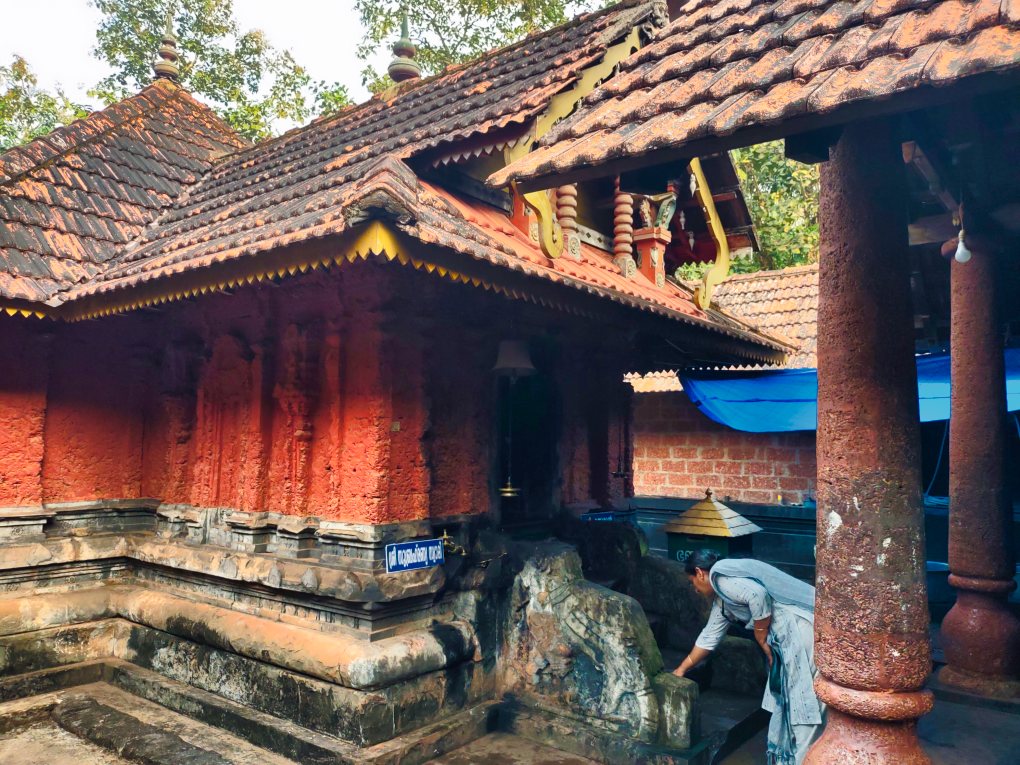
column 623, row 231
column 871, row 613
column 566, row 213
column 981, row 636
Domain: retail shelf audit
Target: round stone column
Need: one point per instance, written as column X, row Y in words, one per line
column 871, row 612
column 981, row 637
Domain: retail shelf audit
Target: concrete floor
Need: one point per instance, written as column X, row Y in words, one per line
column 953, row 734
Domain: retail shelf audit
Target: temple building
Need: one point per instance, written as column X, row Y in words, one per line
column 309, row 444
column 288, row 427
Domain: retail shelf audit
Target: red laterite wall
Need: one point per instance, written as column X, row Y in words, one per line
column 364, row 394
column 679, row 452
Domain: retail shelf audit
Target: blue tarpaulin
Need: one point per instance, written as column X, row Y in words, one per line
column 775, row 402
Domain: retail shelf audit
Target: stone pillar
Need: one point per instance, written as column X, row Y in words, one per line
column 980, row 635
column 871, row 613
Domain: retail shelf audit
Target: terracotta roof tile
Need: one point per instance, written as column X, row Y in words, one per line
column 134, row 198
column 71, row 199
column 783, row 303
column 730, row 66
column 436, row 216
column 299, row 181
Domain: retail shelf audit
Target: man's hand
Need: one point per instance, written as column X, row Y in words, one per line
column 768, row 652
column 680, row 671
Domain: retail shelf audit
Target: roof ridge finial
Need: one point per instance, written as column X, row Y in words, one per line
column 403, row 66
column 166, row 65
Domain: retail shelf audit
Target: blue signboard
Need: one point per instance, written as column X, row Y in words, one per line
column 605, row 515
column 408, row 556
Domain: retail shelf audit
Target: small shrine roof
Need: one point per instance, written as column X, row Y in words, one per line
column 735, row 72
column 711, row 518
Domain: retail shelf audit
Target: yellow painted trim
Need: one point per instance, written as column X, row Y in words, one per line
column 11, row 310
column 550, row 234
column 375, row 241
column 563, row 104
column 721, row 269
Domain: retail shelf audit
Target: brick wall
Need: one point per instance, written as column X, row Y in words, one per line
column 678, row 452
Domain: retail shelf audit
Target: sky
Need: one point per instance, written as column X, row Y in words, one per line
column 55, row 37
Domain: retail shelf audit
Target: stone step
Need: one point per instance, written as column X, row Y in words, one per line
column 729, row 719
column 576, row 736
column 418, row 746
column 282, row 736
column 113, row 687
column 104, row 718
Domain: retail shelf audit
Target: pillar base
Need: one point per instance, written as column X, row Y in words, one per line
column 849, row 740
column 980, row 685
column 981, row 638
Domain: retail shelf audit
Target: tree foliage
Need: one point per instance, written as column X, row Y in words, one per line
column 253, row 85
column 451, row 31
column 782, row 196
column 26, row 110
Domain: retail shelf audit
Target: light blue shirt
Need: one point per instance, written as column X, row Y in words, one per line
column 746, row 602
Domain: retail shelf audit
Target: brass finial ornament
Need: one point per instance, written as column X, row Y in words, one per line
column 403, row 66
column 166, row 65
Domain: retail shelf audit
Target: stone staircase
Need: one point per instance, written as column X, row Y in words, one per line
column 141, row 716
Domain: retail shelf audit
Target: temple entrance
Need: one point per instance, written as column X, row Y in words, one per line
column 529, row 429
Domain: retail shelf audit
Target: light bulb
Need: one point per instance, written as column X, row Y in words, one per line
column 962, row 252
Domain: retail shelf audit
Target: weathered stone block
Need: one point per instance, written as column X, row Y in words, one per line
column 249, row 532
column 678, row 713
column 23, row 524
column 579, row 646
column 102, row 517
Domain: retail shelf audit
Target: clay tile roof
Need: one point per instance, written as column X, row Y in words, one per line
column 337, row 174
column 734, row 72
column 295, row 186
column 781, row 303
column 70, row 200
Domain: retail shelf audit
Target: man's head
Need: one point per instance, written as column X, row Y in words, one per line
column 698, row 565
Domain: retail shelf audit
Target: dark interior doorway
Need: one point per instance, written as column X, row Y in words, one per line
column 529, row 429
